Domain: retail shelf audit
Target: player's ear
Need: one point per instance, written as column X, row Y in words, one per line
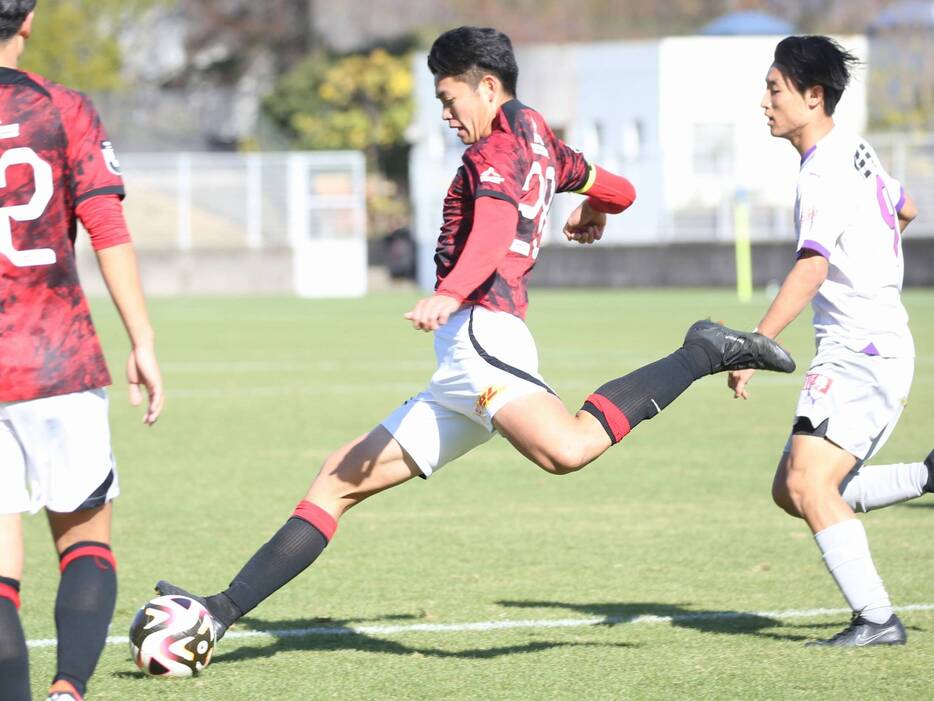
column 814, row 96
column 491, row 85
column 26, row 29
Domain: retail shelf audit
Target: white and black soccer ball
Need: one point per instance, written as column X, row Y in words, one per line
column 172, row 636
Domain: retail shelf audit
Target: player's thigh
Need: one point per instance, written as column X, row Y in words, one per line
column 365, row 466
column 11, row 546
column 72, row 527
column 894, row 377
column 486, row 360
column 540, row 427
column 65, row 441
column 852, row 399
column 432, row 433
column 815, row 463
column 14, row 477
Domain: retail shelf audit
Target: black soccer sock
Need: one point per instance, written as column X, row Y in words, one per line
column 621, row 404
column 289, row 552
column 14, row 658
column 84, row 607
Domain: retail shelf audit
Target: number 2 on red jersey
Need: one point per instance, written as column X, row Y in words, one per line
column 31, row 210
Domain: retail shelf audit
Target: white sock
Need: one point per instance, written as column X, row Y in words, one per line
column 846, row 554
column 875, row 486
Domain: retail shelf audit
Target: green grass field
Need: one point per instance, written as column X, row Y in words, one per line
column 676, row 522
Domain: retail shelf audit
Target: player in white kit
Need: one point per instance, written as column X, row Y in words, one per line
column 849, row 217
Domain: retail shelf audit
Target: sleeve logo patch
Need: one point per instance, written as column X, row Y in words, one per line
column 491, row 176
column 110, row 158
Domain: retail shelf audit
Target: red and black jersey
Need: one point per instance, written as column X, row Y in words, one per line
column 54, row 154
column 521, row 162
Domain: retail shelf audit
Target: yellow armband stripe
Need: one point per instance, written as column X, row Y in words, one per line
column 588, row 183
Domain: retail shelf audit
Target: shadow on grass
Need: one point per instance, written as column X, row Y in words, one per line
column 709, row 621
column 329, row 635
column 129, row 675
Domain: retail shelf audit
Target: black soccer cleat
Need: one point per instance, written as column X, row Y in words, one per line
column 861, row 633
column 168, row 589
column 729, row 349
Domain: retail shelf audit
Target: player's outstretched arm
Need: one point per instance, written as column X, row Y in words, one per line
column 121, row 273
column 907, row 212
column 494, row 228
column 799, row 287
column 585, row 224
column 606, row 194
column 797, row 291
column 103, row 219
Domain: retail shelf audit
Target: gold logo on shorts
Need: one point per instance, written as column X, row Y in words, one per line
column 483, row 401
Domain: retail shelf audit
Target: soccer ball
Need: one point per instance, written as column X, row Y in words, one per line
column 172, row 636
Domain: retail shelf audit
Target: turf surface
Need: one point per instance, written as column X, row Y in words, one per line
column 676, row 521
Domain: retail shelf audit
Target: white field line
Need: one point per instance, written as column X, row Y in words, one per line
column 543, row 623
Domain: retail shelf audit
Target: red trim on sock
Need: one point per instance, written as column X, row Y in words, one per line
column 317, row 517
column 8, row 592
column 97, row 551
column 617, row 420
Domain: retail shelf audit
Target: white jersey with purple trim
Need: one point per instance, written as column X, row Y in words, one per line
column 847, row 211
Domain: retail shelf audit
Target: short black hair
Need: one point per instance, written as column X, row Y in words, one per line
column 467, row 53
column 808, row 61
column 12, row 15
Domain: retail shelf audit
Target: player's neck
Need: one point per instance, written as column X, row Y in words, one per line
column 808, row 136
column 10, row 51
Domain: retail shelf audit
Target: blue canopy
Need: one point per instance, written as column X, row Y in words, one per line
column 748, row 23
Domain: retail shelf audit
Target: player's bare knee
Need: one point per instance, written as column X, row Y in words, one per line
column 329, row 486
column 787, row 486
column 782, row 498
column 807, row 491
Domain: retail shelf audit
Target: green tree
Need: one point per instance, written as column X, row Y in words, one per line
column 75, row 42
column 360, row 101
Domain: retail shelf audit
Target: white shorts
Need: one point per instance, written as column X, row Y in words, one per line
column 861, row 397
column 486, row 359
column 55, row 453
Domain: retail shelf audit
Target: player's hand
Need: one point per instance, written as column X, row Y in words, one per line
column 142, row 369
column 432, row 312
column 737, row 381
column 585, row 224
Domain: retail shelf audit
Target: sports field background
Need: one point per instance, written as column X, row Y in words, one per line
column 675, row 521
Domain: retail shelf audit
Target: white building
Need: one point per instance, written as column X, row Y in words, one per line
column 679, row 116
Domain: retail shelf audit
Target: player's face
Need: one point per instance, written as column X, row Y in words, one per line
column 467, row 109
column 787, row 110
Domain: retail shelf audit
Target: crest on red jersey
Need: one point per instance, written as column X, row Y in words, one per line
column 110, row 157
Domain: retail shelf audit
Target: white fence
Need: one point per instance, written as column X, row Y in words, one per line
column 312, row 204
column 308, row 210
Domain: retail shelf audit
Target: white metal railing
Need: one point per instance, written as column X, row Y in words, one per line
column 186, row 201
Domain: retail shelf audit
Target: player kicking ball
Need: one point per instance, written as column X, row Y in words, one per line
column 487, row 378
column 57, row 166
column 849, row 217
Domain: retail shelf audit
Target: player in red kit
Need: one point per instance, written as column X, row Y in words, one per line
column 57, row 166
column 487, row 379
